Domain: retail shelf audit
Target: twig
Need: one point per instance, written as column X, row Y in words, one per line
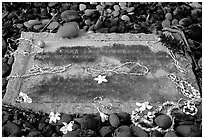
column 48, row 22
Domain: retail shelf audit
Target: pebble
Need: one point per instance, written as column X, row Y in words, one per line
column 55, row 135
column 168, row 16
column 38, row 27
column 125, row 18
column 5, row 69
column 106, row 131
column 99, row 7
column 89, row 12
column 185, row 22
column 166, row 23
column 35, row 133
column 34, row 22
column 115, row 13
column 52, row 4
column 163, row 121
column 68, row 30
column 196, row 13
column 138, row 132
column 47, row 131
column 174, row 22
column 112, row 29
column 188, row 131
column 11, row 129
column 64, row 118
column 170, row 134
column 89, row 122
column 123, row 131
column 70, row 15
column 26, row 24
column 116, row 7
column 88, row 22
column 19, row 25
column 53, row 25
column 130, row 9
column 82, row 7
column 196, row 5
column 109, row 10
column 45, row 21
column 200, row 62
column 114, row 120
column 4, row 46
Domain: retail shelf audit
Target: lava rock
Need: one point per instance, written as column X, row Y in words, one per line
column 188, row 131
column 163, row 121
column 106, row 131
column 138, row 132
column 35, row 133
column 70, row 15
column 114, row 120
column 170, row 134
column 68, row 30
column 124, row 117
column 123, row 131
column 89, row 122
column 5, row 69
column 11, row 129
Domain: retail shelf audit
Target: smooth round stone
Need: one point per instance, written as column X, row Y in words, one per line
column 70, row 15
column 34, row 22
column 26, row 24
column 116, row 7
column 130, row 9
column 166, row 23
column 115, row 13
column 53, row 25
column 168, row 16
column 112, row 29
column 106, row 131
column 138, row 132
column 99, row 7
column 163, row 121
column 188, row 131
column 82, row 7
column 123, row 131
column 114, row 120
column 89, row 12
column 122, row 4
column 19, row 25
column 185, row 22
column 45, row 21
column 174, row 22
column 170, row 134
column 37, row 27
column 125, row 18
column 52, row 4
column 10, row 60
column 87, row 22
column 68, row 30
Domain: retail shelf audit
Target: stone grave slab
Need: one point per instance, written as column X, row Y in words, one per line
column 65, row 75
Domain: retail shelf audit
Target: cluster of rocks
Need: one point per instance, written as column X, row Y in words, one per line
column 71, row 19
column 26, row 123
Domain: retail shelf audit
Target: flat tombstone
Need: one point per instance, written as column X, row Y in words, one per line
column 109, row 71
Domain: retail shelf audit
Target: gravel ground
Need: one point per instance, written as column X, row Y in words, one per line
column 104, row 17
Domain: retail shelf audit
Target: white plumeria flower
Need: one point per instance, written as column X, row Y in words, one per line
column 67, row 127
column 54, row 117
column 101, row 79
column 25, row 97
column 144, row 106
column 103, row 116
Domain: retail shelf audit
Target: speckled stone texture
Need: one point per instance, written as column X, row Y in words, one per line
column 76, row 91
